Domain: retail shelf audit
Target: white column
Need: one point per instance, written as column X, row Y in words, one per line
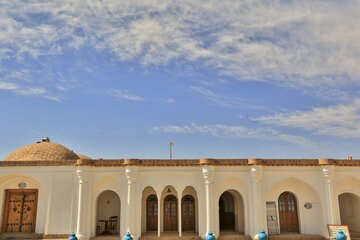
column 179, row 218
column 159, row 217
column 328, row 177
column 83, row 177
column 131, row 175
column 257, row 198
column 208, row 174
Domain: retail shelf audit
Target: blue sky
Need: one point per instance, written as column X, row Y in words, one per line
column 229, row 79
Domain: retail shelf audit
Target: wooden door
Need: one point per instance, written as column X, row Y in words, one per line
column 289, row 221
column 188, row 213
column 151, row 213
column 20, row 210
column 170, row 213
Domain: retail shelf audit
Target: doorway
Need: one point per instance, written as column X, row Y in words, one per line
column 152, row 213
column 170, row 213
column 188, row 213
column 227, row 212
column 288, row 213
column 108, row 213
column 349, row 205
column 20, row 208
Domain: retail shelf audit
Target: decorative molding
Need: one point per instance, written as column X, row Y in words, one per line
column 208, row 173
column 207, row 161
column 328, row 173
column 132, row 162
column 256, row 173
column 255, row 161
column 131, row 173
column 326, row 161
column 82, row 175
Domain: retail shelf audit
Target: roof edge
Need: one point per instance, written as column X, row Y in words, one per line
column 185, row 162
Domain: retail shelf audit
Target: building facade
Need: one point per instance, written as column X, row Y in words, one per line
column 48, row 189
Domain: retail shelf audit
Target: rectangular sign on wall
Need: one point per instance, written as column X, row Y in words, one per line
column 272, row 219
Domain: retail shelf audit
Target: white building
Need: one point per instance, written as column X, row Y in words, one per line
column 48, row 189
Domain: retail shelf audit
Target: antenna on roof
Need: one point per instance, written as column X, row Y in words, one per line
column 171, row 144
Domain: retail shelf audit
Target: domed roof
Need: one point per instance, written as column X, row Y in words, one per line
column 82, row 156
column 42, row 151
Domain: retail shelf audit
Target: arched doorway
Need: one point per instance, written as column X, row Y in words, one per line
column 227, row 211
column 108, row 213
column 188, row 213
column 170, row 213
column 349, row 205
column 289, row 220
column 151, row 213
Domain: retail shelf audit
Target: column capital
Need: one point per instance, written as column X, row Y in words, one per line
column 208, row 173
column 131, row 173
column 256, row 173
column 328, row 173
column 82, row 175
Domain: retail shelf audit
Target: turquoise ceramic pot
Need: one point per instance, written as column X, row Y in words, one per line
column 210, row 236
column 341, row 235
column 127, row 237
column 73, row 237
column 262, row 235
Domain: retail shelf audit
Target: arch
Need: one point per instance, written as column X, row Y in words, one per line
column 349, row 205
column 108, row 213
column 231, row 211
column 348, row 184
column 189, row 210
column 21, row 192
column 294, row 185
column 310, row 220
column 288, row 213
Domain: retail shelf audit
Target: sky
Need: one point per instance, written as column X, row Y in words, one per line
column 220, row 79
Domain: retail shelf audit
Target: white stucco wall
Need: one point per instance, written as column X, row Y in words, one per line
column 58, row 194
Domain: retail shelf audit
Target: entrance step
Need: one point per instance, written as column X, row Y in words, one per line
column 233, row 235
column 20, row 236
column 296, row 237
column 170, row 236
column 106, row 238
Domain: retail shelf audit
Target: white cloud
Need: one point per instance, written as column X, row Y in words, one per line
column 238, row 131
column 340, row 120
column 22, row 90
column 125, row 95
column 217, row 99
column 7, row 86
column 31, row 91
column 294, row 43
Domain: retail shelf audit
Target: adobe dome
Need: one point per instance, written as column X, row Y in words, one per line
column 42, row 151
column 82, row 156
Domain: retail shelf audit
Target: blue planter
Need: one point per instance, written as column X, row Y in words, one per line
column 73, row 237
column 127, row 237
column 340, row 235
column 262, row 235
column 210, row 236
